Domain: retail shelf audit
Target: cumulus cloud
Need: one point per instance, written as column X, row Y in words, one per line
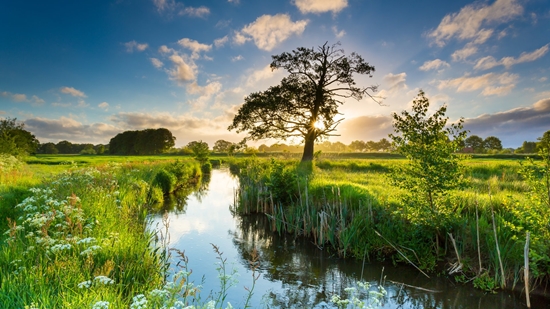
column 163, row 49
column 156, row 63
column 471, row 22
column 490, row 83
column 269, row 31
column 221, row 41
column 237, row 58
column 194, row 46
column 103, row 106
column 65, row 128
column 515, row 125
column 434, row 65
column 365, row 128
column 320, row 6
column 461, row 54
column 183, row 70
column 201, row 11
column 489, row 62
column 234, row 1
column 130, row 46
column 20, row 97
column 72, row 91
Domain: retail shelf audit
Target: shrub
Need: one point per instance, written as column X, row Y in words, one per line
column 165, row 180
column 206, row 167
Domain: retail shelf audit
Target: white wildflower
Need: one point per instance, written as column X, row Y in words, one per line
column 104, row 280
column 101, row 305
column 85, row 284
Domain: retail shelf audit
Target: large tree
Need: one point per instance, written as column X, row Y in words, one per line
column 305, row 103
column 492, row 142
column 475, row 142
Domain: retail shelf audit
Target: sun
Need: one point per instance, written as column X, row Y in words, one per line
column 319, row 125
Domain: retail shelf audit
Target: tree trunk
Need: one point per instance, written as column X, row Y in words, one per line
column 308, row 147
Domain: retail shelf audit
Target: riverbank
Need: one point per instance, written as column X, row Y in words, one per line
column 76, row 237
column 350, row 208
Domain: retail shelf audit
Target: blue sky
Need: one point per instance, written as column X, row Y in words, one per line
column 84, row 71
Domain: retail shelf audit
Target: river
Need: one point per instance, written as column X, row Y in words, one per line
column 294, row 273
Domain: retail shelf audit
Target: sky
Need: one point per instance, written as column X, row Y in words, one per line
column 84, row 71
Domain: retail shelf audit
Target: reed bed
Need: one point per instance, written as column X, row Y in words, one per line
column 351, row 208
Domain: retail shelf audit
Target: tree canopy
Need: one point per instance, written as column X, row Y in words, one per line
column 15, row 140
column 144, row 142
column 305, row 103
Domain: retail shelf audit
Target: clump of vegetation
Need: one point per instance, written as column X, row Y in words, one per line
column 433, row 169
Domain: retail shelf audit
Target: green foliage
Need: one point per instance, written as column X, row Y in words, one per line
column 200, row 151
column 281, row 182
column 492, row 143
column 165, row 180
column 144, row 142
column 15, row 140
column 305, row 103
column 486, row 283
column 222, row 146
column 206, row 167
column 429, row 145
column 475, row 142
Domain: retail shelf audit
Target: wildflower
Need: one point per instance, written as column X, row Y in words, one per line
column 85, row 284
column 101, row 305
column 87, row 240
column 104, row 280
column 139, row 302
column 60, row 247
column 90, row 251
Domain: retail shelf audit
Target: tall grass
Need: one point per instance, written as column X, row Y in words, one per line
column 341, row 204
column 79, row 239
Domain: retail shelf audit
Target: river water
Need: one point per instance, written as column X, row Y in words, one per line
column 294, row 273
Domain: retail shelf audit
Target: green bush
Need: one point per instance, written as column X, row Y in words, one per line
column 166, row 181
column 206, row 167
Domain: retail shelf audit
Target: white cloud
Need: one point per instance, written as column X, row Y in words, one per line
column 221, row 41
column 67, row 128
column 395, row 82
column 208, row 90
column 543, row 79
column 163, row 49
column 237, row 58
column 469, row 22
column 263, row 74
column 183, row 70
column 338, row 34
column 462, row 54
column 130, row 46
column 103, row 105
column 234, row 1
column 434, row 65
column 489, row 62
column 72, row 91
column 37, row 100
column 157, row 63
column 320, row 6
column 269, row 31
column 18, row 97
column 490, row 83
column 194, row 46
column 201, row 11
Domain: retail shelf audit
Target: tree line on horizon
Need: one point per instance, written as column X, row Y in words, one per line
column 15, row 140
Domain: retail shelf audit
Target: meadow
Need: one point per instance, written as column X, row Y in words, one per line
column 350, row 207
column 74, row 227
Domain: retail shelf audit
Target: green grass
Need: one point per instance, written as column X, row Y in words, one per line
column 74, row 236
column 346, row 201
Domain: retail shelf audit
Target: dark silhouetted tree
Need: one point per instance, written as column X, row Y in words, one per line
column 221, row 146
column 306, row 102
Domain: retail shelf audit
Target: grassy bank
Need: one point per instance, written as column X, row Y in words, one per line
column 76, row 237
column 350, row 207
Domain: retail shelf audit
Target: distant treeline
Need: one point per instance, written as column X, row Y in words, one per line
column 157, row 141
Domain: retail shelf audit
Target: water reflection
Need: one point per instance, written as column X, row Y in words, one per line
column 294, row 272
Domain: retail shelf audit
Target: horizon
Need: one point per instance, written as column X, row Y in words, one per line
column 84, row 72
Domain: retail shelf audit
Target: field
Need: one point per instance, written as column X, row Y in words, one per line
column 74, row 226
column 351, row 207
